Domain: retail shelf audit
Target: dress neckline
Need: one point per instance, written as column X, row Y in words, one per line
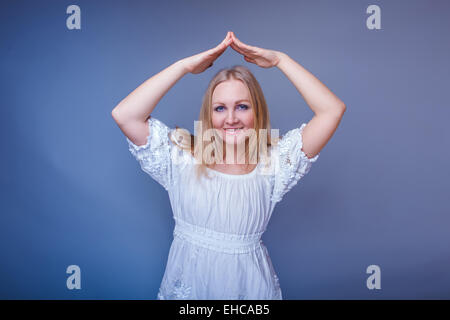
column 235, row 176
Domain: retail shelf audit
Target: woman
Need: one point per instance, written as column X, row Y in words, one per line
column 222, row 208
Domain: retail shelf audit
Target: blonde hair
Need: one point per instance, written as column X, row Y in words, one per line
column 184, row 140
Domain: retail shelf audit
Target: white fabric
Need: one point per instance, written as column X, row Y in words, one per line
column 217, row 251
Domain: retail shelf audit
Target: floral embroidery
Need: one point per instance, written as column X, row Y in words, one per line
column 181, row 291
column 277, row 281
column 175, row 287
column 293, row 162
column 278, row 295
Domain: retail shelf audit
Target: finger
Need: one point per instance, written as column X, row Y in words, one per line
column 223, row 45
column 236, row 48
column 228, row 36
column 218, row 51
column 249, row 60
column 244, row 53
column 227, row 39
column 241, row 45
column 244, row 49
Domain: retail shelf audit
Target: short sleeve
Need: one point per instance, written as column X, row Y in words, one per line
column 155, row 156
column 292, row 163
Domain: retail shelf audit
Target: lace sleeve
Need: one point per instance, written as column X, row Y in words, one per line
column 155, row 156
column 292, row 163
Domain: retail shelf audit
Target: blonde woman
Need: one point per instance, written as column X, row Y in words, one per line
column 222, row 201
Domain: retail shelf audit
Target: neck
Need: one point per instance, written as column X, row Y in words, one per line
column 235, row 156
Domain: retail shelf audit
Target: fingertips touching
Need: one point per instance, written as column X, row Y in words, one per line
column 229, row 39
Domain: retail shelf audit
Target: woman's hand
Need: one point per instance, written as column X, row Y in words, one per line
column 202, row 61
column 264, row 58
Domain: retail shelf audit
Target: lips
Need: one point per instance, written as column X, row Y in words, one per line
column 233, row 131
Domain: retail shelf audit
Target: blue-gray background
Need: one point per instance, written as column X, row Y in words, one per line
column 71, row 193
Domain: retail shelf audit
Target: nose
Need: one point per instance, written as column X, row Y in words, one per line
column 231, row 118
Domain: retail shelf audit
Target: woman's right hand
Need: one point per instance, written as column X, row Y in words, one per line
column 202, row 61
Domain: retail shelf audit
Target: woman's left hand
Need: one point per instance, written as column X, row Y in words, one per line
column 264, row 58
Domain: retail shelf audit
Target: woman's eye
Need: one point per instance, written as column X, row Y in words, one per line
column 242, row 106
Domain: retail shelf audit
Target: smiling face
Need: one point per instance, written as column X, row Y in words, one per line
column 232, row 109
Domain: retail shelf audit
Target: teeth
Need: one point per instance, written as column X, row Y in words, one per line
column 233, row 130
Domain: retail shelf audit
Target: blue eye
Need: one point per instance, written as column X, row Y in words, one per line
column 245, row 107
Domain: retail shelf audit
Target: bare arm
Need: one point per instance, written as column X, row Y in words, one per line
column 318, row 97
column 131, row 113
column 327, row 107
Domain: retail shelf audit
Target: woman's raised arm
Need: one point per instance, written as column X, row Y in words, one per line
column 327, row 107
column 131, row 113
column 139, row 104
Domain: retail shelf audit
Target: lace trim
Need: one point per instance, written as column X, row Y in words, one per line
column 278, row 294
column 181, row 291
column 155, row 155
column 293, row 162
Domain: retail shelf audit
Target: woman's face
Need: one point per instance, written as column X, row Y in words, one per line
column 231, row 108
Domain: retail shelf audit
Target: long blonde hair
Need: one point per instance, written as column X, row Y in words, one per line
column 185, row 140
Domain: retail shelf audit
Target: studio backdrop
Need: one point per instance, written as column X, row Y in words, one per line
column 369, row 221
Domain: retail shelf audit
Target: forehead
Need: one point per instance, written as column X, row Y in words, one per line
column 230, row 91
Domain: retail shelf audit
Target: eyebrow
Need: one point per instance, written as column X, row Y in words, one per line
column 235, row 102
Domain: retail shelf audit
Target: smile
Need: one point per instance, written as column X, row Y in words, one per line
column 233, row 132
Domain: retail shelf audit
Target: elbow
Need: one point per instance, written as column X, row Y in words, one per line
column 338, row 110
column 342, row 108
column 115, row 115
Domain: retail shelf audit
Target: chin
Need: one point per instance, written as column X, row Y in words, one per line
column 234, row 140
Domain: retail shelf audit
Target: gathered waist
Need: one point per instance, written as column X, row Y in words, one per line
column 217, row 241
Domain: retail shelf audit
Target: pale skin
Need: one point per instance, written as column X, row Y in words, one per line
column 232, row 108
column 132, row 112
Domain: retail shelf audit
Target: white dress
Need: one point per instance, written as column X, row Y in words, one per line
column 217, row 251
